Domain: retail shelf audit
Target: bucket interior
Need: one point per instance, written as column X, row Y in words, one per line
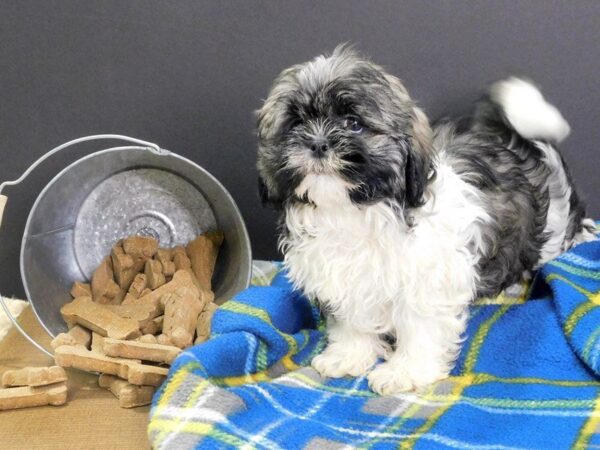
column 113, row 194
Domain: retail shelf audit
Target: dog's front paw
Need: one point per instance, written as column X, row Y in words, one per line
column 403, row 375
column 336, row 363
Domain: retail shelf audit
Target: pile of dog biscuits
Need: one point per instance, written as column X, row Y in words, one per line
column 143, row 306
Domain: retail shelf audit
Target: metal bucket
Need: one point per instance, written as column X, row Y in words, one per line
column 114, row 193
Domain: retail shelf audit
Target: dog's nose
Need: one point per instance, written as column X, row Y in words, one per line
column 319, row 146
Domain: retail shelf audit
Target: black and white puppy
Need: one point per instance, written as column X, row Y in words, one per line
column 395, row 228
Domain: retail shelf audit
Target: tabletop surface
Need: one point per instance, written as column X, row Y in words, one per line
column 91, row 419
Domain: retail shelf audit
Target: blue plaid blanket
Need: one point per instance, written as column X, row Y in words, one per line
column 528, row 376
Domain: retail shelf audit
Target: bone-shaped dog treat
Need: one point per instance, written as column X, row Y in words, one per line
column 183, row 263
column 129, row 369
column 169, row 269
column 143, row 313
column 163, row 339
column 180, row 279
column 145, row 375
column 138, row 285
column 97, row 343
column 182, row 308
column 148, row 339
column 92, row 361
column 181, row 259
column 140, row 350
column 124, row 266
column 154, row 274
column 77, row 335
column 80, row 289
column 26, row 396
column 181, row 337
column 104, row 288
column 132, row 254
column 137, row 288
column 203, row 252
column 100, row 319
column 103, row 285
column 154, row 326
column 63, row 339
column 82, row 335
column 34, row 376
column 140, row 247
column 204, row 323
column 165, row 256
column 129, row 395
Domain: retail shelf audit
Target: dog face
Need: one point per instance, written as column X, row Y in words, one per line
column 341, row 115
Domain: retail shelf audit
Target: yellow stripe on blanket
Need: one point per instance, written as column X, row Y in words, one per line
column 590, row 428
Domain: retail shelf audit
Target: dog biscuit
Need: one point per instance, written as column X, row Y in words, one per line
column 80, row 289
column 77, row 335
column 104, row 288
column 63, row 339
column 182, row 308
column 168, row 268
column 181, row 259
column 97, row 343
column 154, row 326
column 100, row 319
column 138, row 285
column 140, row 247
column 154, row 274
column 165, row 256
column 93, row 361
column 140, row 350
column 27, row 396
column 148, row 339
column 124, row 267
column 145, row 375
column 203, row 325
column 143, row 313
column 183, row 263
column 203, row 252
column 181, row 278
column 34, row 376
column 163, row 339
column 129, row 395
column 181, row 337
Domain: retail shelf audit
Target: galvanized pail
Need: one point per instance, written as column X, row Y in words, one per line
column 114, row 193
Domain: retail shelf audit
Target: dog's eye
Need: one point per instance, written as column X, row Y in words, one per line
column 352, row 124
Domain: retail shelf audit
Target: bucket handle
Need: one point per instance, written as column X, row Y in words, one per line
column 3, row 199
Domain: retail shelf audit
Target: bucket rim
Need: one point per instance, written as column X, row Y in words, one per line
column 167, row 153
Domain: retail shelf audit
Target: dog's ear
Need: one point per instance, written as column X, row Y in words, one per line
column 419, row 159
column 415, row 180
column 263, row 191
column 266, row 197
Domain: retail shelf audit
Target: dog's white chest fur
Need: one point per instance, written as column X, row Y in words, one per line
column 366, row 265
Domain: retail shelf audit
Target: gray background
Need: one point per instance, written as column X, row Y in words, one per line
column 188, row 74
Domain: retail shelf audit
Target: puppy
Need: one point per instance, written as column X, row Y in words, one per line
column 394, row 228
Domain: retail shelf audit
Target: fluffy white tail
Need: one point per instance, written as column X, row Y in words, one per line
column 527, row 111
